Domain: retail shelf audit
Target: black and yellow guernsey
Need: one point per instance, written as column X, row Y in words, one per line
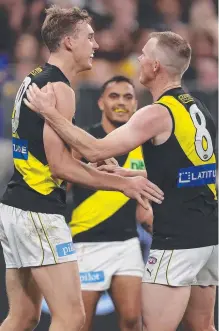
column 32, row 186
column 102, row 216
column 184, row 167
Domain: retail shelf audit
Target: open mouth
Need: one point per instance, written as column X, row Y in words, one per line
column 120, row 110
column 92, row 55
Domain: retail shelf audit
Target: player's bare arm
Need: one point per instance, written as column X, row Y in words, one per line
column 112, row 162
column 64, row 166
column 145, row 216
column 125, row 172
column 145, row 124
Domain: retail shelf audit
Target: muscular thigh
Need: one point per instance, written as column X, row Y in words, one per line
column 60, row 285
column 24, row 295
column 200, row 311
column 126, row 295
column 163, row 306
column 90, row 299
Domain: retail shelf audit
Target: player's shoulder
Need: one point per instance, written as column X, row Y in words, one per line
column 153, row 110
column 64, row 93
column 48, row 73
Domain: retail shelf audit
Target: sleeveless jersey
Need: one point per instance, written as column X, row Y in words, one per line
column 102, row 216
column 32, row 186
column 184, row 167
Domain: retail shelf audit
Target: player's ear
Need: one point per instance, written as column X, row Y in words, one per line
column 100, row 103
column 68, row 42
column 156, row 66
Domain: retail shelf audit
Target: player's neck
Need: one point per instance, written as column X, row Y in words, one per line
column 159, row 87
column 107, row 125
column 68, row 68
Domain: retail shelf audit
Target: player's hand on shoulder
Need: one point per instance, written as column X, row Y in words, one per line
column 40, row 100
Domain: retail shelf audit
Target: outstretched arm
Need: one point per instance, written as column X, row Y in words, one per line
column 125, row 172
column 145, row 124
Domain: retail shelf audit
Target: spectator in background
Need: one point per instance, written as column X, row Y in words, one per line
column 26, row 57
column 114, row 34
column 204, row 41
column 120, row 36
column 34, row 16
column 162, row 15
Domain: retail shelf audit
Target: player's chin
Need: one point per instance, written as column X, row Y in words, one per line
column 86, row 66
column 90, row 64
column 122, row 117
column 120, row 120
column 141, row 79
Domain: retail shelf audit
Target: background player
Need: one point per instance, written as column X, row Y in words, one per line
column 103, row 223
column 35, row 238
column 178, row 137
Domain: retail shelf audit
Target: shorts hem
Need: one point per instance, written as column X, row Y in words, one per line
column 178, row 285
column 11, row 266
column 132, row 274
column 95, row 289
column 165, row 283
column 206, row 285
column 37, row 264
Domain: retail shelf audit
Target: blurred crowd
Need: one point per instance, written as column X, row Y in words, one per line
column 122, row 27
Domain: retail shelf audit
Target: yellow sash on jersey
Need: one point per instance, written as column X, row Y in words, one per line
column 37, row 175
column 103, row 204
column 186, row 138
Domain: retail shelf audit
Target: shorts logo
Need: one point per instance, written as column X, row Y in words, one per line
column 65, row 249
column 149, row 271
column 137, row 164
column 20, row 149
column 197, row 176
column 152, row 260
column 92, row 277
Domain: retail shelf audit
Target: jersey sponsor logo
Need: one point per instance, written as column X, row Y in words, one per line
column 65, row 249
column 92, row 277
column 197, row 175
column 20, row 149
column 137, row 164
column 152, row 260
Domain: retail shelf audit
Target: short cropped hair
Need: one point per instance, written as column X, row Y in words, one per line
column 175, row 44
column 116, row 79
column 59, row 22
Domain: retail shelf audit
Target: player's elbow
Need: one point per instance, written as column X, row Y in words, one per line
column 93, row 157
column 145, row 217
column 95, row 152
